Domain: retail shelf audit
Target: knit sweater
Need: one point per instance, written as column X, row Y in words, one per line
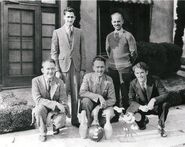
column 120, row 51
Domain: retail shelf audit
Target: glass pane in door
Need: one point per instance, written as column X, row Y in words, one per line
column 21, row 42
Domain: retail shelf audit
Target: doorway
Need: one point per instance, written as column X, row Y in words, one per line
column 136, row 20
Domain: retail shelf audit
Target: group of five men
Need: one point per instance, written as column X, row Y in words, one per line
column 63, row 72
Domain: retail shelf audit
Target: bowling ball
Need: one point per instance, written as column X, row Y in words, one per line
column 137, row 116
column 96, row 133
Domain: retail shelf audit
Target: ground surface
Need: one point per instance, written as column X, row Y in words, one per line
column 69, row 136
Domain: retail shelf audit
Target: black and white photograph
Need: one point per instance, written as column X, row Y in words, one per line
column 92, row 73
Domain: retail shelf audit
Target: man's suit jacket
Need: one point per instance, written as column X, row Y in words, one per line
column 90, row 88
column 64, row 54
column 154, row 90
column 42, row 97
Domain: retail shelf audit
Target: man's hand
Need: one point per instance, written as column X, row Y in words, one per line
column 58, row 74
column 143, row 108
column 151, row 104
column 102, row 102
column 61, row 108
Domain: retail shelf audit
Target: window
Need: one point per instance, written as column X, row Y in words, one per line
column 27, row 32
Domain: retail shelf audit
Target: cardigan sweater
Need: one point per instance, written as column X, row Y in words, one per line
column 121, row 51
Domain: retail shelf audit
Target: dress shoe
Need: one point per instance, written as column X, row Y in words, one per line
column 42, row 138
column 163, row 133
column 116, row 117
column 55, row 131
column 146, row 120
column 142, row 127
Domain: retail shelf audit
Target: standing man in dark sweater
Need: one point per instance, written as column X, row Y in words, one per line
column 122, row 51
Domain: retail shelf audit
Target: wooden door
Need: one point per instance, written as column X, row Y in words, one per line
column 21, row 44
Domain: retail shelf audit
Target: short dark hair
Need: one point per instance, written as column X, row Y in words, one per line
column 69, row 9
column 99, row 58
column 49, row 61
column 141, row 65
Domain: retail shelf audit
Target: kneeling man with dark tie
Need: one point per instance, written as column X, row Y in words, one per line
column 50, row 98
column 148, row 96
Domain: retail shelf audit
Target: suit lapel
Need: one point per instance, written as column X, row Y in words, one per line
column 65, row 37
column 73, row 38
column 43, row 81
column 53, row 89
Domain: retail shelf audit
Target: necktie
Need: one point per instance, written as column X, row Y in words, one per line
column 143, row 89
column 98, row 90
column 48, row 85
column 116, row 36
column 69, row 32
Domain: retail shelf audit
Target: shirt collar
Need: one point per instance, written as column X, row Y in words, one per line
column 121, row 31
column 67, row 28
column 145, row 84
column 46, row 79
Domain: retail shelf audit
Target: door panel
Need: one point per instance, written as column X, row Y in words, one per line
column 48, row 26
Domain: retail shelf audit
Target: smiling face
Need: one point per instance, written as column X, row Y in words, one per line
column 117, row 21
column 69, row 18
column 99, row 67
column 140, row 74
column 48, row 70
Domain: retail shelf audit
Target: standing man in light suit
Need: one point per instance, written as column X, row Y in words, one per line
column 68, row 50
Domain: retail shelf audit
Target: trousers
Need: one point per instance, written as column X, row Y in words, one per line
column 121, row 100
column 41, row 115
column 161, row 110
column 88, row 105
column 72, row 81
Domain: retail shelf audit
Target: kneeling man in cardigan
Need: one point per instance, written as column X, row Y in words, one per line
column 148, row 96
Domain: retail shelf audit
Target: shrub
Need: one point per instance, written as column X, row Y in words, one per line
column 15, row 114
column 163, row 58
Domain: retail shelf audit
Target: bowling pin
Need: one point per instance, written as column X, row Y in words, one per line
column 83, row 125
column 108, row 128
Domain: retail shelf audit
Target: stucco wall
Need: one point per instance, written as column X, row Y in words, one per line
column 63, row 5
column 162, row 21
column 89, row 26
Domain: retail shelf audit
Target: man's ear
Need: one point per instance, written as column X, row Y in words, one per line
column 146, row 72
column 42, row 70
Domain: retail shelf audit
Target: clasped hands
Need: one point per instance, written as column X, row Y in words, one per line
column 150, row 106
column 59, row 107
column 103, row 103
